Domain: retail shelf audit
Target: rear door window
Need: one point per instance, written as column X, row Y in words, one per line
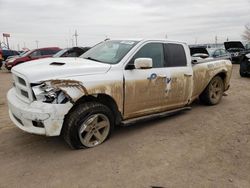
column 175, row 55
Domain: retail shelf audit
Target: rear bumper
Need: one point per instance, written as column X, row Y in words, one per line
column 37, row 117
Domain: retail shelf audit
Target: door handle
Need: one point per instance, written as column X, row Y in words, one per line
column 188, row 74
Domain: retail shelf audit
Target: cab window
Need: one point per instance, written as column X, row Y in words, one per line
column 175, row 55
column 154, row 51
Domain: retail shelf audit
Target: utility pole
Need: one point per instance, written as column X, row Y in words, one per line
column 216, row 41
column 37, row 43
column 6, row 36
column 76, row 35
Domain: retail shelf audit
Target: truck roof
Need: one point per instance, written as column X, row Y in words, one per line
column 149, row 39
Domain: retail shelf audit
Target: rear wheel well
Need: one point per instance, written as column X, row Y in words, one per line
column 103, row 99
column 223, row 76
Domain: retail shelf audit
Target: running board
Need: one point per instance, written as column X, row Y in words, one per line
column 152, row 116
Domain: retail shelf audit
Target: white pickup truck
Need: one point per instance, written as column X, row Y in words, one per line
column 115, row 83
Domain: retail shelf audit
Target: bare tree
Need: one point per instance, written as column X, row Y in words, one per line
column 246, row 34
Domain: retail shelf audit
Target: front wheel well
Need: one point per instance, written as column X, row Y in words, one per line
column 103, row 99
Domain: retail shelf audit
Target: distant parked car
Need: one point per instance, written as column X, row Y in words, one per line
column 16, row 56
column 198, row 52
column 236, row 49
column 71, row 52
column 219, row 53
column 245, row 66
column 6, row 53
column 32, row 55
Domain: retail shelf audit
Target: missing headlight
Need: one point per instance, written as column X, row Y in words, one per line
column 45, row 93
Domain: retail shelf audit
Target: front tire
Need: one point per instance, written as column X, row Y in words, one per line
column 213, row 93
column 88, row 125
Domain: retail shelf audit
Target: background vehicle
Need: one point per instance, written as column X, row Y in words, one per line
column 199, row 51
column 71, row 52
column 32, row 55
column 116, row 82
column 6, row 53
column 16, row 56
column 204, row 52
column 219, row 53
column 236, row 49
column 245, row 66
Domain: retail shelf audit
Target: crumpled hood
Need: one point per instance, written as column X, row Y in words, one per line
column 233, row 44
column 56, row 68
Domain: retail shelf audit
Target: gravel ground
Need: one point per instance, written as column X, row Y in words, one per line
column 204, row 147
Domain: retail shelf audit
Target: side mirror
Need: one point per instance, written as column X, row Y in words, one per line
column 194, row 61
column 143, row 63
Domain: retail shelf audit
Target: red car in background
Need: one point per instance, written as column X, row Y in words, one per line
column 31, row 55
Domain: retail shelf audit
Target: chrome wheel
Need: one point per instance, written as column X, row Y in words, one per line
column 94, row 130
column 216, row 90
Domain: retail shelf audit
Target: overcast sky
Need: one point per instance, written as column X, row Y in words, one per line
column 53, row 22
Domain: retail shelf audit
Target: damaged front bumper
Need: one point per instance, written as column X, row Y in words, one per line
column 37, row 117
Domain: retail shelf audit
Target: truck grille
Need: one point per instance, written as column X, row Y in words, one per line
column 23, row 88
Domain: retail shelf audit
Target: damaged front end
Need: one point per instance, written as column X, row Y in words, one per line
column 46, row 93
column 59, row 91
column 40, row 108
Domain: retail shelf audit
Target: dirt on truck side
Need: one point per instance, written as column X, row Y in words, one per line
column 204, row 147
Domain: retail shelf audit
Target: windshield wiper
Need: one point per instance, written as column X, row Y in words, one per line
column 90, row 58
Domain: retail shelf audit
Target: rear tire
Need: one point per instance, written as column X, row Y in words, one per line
column 213, row 93
column 88, row 125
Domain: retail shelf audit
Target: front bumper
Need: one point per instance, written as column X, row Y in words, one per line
column 37, row 117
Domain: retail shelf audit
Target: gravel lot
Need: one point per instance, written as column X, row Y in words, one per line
column 204, row 147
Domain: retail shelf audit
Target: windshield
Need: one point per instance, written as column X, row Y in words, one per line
column 23, row 54
column 110, row 52
column 211, row 51
column 61, row 52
